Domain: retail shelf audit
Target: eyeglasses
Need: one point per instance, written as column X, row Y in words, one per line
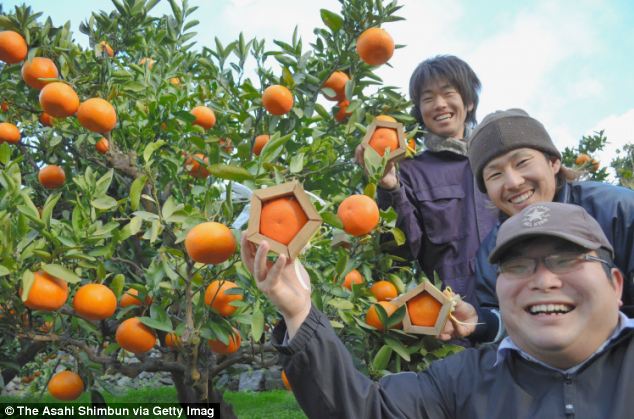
column 560, row 263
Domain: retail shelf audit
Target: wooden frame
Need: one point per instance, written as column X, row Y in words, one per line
column 302, row 237
column 443, row 316
column 395, row 155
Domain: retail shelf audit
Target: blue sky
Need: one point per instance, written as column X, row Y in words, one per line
column 568, row 62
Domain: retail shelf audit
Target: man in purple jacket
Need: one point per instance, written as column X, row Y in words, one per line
column 441, row 211
column 569, row 352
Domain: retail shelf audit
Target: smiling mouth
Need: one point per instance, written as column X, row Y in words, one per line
column 443, row 117
column 520, row 199
column 549, row 309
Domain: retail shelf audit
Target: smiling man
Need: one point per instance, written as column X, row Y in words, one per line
column 516, row 163
column 569, row 351
column 443, row 214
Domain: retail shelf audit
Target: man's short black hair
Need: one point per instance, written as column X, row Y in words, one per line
column 456, row 72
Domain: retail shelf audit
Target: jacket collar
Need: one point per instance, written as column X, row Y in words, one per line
column 437, row 143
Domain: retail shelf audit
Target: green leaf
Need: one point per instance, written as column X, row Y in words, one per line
column 230, row 172
column 47, row 211
column 398, row 347
column 332, row 20
column 370, row 190
column 104, row 183
column 135, row 191
column 257, row 324
column 61, row 272
column 5, row 153
column 151, row 148
column 27, row 282
column 342, row 262
column 165, row 325
column 104, row 203
column 117, row 284
column 332, row 219
column 4, row 271
column 297, row 163
column 382, row 358
column 341, row 304
column 272, row 149
column 399, row 236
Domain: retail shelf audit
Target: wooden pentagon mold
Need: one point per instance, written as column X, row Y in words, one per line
column 395, row 155
column 443, row 315
column 302, row 237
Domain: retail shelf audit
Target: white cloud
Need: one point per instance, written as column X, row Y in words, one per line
column 618, row 130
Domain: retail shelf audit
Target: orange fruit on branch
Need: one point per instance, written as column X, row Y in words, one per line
column 94, row 302
column 217, row 298
column 59, row 99
column 13, row 48
column 4, row 106
column 277, row 99
column 47, row 293
column 210, row 242
column 149, row 62
column 384, row 290
column 281, row 219
column 9, row 133
column 66, row 385
column 205, row 117
column 97, row 115
column 337, row 82
column 423, row 310
column 260, row 142
column 235, row 340
column 372, row 316
column 46, row 119
column 196, row 169
column 52, row 177
column 105, row 47
column 342, row 113
column 134, row 336
column 375, row 46
column 382, row 139
column 352, row 277
column 172, row 340
column 359, row 214
column 102, row 146
column 385, row 118
column 129, row 298
column 36, row 68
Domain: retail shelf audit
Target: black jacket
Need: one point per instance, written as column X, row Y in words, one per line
column 466, row 385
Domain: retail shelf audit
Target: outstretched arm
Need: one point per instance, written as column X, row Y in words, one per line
column 285, row 282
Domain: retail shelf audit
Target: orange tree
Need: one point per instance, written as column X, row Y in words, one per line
column 146, row 212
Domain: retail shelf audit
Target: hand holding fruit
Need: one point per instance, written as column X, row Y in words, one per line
column 389, row 180
column 285, row 282
column 462, row 321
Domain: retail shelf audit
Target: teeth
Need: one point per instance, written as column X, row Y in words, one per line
column 443, row 117
column 549, row 308
column 521, row 198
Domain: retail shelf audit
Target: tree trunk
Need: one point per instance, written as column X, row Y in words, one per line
column 188, row 394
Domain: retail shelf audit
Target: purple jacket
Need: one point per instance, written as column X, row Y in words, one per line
column 442, row 213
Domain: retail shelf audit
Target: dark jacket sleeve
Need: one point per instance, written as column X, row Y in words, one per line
column 327, row 385
column 409, row 219
column 486, row 277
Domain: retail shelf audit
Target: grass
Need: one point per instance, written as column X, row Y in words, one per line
column 275, row 404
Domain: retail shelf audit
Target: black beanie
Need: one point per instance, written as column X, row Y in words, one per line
column 503, row 131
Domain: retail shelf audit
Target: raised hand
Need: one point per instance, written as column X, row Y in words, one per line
column 285, row 282
column 462, row 322
column 389, row 180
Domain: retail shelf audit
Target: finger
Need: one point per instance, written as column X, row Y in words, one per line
column 358, row 155
column 259, row 265
column 247, row 252
column 275, row 272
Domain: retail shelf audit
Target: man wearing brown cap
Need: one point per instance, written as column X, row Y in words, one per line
column 516, row 163
column 569, row 351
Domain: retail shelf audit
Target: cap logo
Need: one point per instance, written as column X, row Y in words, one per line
column 536, row 216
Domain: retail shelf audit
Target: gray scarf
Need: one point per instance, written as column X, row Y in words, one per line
column 437, row 143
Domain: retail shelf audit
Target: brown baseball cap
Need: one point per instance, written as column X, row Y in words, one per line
column 566, row 221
